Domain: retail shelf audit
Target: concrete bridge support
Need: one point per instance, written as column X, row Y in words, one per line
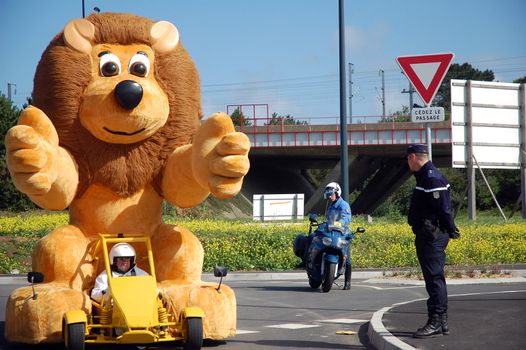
column 376, row 172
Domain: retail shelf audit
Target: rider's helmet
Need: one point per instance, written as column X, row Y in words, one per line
column 122, row 250
column 332, row 187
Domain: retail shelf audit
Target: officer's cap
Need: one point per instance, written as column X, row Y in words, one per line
column 416, row 148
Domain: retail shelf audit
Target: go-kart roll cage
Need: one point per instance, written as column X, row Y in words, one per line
column 106, row 239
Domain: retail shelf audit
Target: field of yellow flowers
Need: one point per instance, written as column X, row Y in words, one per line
column 247, row 245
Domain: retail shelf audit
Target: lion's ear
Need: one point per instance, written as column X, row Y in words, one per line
column 78, row 34
column 164, row 36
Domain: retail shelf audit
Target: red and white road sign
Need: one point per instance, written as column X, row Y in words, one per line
column 426, row 72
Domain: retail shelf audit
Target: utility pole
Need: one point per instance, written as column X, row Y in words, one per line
column 383, row 93
column 410, row 92
column 344, row 152
column 350, row 91
column 9, row 94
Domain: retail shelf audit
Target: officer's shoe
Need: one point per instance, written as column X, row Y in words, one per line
column 432, row 327
column 347, row 285
column 445, row 327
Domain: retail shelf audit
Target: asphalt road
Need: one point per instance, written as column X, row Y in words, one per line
column 288, row 314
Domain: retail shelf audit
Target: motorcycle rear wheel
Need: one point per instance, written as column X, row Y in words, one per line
column 328, row 280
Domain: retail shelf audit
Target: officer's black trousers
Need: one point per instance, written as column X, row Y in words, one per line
column 432, row 257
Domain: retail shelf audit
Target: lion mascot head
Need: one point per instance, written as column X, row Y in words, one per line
column 139, row 135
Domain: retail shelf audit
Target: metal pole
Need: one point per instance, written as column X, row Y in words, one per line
column 9, row 93
column 489, row 188
column 350, row 92
column 411, row 90
column 343, row 118
column 428, row 139
column 83, row 13
column 472, row 211
column 383, row 93
column 522, row 100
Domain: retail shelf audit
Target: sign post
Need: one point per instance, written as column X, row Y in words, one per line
column 426, row 72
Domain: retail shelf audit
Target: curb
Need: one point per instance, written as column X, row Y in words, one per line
column 370, row 276
column 380, row 337
column 286, row 275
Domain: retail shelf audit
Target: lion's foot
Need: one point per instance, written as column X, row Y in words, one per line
column 219, row 306
column 36, row 320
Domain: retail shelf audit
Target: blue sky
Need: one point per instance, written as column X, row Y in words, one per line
column 284, row 53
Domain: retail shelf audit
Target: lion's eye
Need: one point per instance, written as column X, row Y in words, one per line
column 110, row 65
column 139, row 65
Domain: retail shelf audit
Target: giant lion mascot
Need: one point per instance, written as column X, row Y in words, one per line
column 114, row 130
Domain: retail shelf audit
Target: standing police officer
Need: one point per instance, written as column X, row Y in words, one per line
column 431, row 220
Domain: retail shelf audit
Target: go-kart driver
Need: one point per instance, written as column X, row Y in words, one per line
column 122, row 257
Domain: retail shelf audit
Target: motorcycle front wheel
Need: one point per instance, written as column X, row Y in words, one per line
column 328, row 277
column 314, row 283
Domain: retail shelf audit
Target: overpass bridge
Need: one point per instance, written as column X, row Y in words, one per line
column 282, row 154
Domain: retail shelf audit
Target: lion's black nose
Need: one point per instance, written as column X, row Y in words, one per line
column 128, row 94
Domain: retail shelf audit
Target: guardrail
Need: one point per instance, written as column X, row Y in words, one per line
column 323, row 135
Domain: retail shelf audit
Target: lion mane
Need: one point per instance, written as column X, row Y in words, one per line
column 63, row 74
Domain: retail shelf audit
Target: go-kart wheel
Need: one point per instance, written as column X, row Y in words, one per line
column 314, row 283
column 328, row 280
column 75, row 336
column 194, row 334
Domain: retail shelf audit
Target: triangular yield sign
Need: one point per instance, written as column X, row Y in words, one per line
column 426, row 72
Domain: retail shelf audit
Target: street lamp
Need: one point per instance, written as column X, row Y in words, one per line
column 344, row 156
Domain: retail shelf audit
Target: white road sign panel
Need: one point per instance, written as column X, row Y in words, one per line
column 493, row 119
column 427, row 115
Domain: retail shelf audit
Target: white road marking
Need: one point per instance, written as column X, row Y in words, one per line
column 343, row 320
column 241, row 331
column 293, row 326
column 389, row 288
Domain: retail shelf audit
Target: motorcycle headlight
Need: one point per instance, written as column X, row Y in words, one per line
column 341, row 243
column 327, row 241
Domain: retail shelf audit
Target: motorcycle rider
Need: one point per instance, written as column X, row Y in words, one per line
column 339, row 211
column 122, row 258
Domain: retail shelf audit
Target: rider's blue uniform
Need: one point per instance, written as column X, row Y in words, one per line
column 340, row 211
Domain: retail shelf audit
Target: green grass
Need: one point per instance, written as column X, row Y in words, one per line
column 244, row 245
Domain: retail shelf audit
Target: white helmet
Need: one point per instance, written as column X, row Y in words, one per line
column 122, row 250
column 332, row 187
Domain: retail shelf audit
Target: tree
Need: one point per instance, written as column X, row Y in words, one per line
column 399, row 116
column 459, row 71
column 10, row 197
column 285, row 120
column 520, row 80
column 238, row 117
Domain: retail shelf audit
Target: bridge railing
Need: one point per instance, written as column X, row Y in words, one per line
column 310, row 132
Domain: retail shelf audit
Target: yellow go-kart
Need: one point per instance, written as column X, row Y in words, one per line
column 134, row 311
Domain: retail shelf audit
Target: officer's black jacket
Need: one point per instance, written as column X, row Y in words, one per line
column 431, row 199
